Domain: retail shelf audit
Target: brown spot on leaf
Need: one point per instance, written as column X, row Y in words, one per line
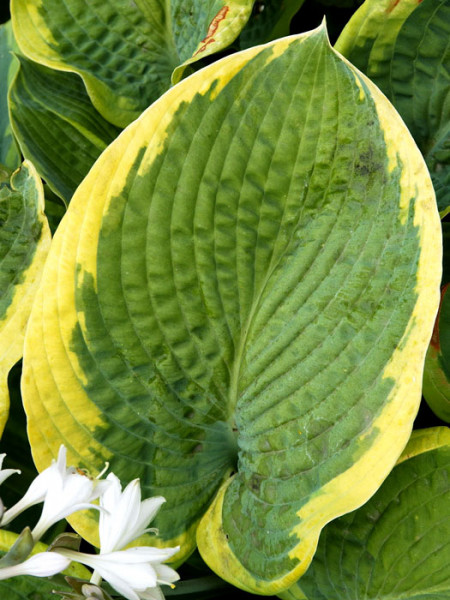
column 203, row 48
column 213, row 27
column 392, row 5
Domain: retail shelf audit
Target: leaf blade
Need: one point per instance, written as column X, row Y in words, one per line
column 389, row 548
column 159, row 352
column 119, row 48
column 24, row 243
column 403, row 47
column 9, row 155
column 56, row 125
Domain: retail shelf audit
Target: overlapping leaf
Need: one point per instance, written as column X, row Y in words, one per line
column 9, row 154
column 268, row 21
column 55, row 208
column 436, row 376
column 24, row 244
column 126, row 52
column 398, row 544
column 57, row 127
column 245, row 281
column 404, row 47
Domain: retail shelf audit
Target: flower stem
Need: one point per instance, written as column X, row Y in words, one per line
column 96, row 579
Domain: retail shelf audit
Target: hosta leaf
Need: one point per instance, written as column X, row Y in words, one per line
column 404, row 47
column 55, row 208
column 202, row 28
column 24, row 244
column 436, row 377
column 26, row 587
column 57, row 127
column 125, row 51
column 9, row 154
column 269, row 20
column 245, row 281
column 397, row 545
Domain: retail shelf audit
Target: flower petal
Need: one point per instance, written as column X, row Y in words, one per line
column 152, row 594
column 61, row 460
column 165, row 574
column 35, row 494
column 43, row 564
column 120, row 586
column 131, row 572
column 121, row 518
column 112, row 494
column 146, row 514
column 126, row 517
column 144, row 554
column 50, row 518
column 5, row 473
column 119, row 570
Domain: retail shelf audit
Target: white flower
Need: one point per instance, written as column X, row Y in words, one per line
column 125, row 517
column 152, row 594
column 135, row 573
column 5, row 473
column 63, row 491
column 35, row 493
column 43, row 564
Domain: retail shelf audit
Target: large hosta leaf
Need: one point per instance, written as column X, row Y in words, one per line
column 404, row 47
column 398, row 544
column 245, row 281
column 126, row 52
column 24, row 244
column 9, row 154
column 56, row 125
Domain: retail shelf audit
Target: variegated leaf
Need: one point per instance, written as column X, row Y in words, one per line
column 397, row 545
column 237, row 307
column 126, row 52
column 24, row 244
column 404, row 47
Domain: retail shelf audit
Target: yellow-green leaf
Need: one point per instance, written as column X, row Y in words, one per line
column 56, row 125
column 125, row 52
column 24, row 244
column 9, row 154
column 237, row 306
column 404, row 47
column 396, row 546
